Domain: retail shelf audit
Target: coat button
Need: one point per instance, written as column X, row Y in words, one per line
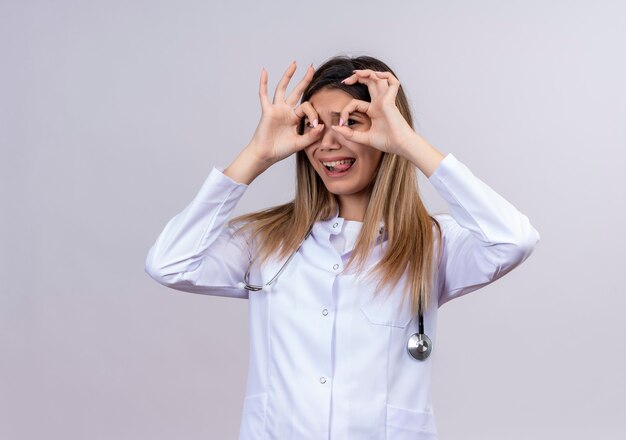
column 322, row 380
column 325, row 312
column 336, row 266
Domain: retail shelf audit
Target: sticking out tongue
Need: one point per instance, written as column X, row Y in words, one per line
column 342, row 166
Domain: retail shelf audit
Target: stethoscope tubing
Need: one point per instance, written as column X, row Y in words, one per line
column 419, row 345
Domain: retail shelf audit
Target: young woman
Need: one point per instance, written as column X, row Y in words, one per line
column 344, row 282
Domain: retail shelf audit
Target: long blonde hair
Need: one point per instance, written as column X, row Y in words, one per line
column 394, row 199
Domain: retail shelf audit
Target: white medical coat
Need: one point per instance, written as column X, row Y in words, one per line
column 328, row 359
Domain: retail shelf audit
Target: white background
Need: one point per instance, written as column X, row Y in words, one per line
column 112, row 113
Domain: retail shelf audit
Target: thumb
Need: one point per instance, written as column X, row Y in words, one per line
column 307, row 139
column 348, row 133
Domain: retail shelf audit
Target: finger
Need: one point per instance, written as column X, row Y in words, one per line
column 371, row 74
column 394, row 85
column 296, row 93
column 370, row 80
column 306, row 139
column 355, row 105
column 281, row 88
column 265, row 100
column 387, row 75
column 306, row 109
column 381, row 82
column 360, row 137
column 350, row 79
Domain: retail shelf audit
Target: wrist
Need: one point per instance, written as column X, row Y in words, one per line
column 422, row 154
column 407, row 144
column 246, row 167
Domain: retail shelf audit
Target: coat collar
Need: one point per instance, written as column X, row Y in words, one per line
column 331, row 226
column 334, row 225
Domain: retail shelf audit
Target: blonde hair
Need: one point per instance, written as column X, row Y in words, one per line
column 394, row 199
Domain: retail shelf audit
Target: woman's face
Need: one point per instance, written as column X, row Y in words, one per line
column 347, row 168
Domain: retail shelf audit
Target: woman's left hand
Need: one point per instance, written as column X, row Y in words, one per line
column 389, row 131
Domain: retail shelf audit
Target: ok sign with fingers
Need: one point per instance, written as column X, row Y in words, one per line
column 389, row 131
column 276, row 136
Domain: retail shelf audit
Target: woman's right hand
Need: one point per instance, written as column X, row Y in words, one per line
column 276, row 137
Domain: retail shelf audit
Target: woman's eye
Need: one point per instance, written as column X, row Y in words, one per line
column 351, row 122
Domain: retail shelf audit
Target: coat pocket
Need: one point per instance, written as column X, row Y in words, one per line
column 407, row 424
column 382, row 310
column 253, row 417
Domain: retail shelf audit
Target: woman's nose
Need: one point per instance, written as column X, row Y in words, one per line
column 330, row 139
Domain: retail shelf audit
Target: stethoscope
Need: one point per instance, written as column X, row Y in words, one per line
column 419, row 344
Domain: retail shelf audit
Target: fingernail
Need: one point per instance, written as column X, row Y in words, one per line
column 314, row 123
column 340, row 122
column 343, row 80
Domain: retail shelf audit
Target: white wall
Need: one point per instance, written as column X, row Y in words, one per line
column 112, row 113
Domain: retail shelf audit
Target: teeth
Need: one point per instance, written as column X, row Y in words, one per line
column 337, row 162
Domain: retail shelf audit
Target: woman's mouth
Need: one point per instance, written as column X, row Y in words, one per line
column 338, row 167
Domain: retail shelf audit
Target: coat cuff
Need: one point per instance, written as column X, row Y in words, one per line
column 218, row 186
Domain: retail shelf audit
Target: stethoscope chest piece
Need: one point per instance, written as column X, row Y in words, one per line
column 419, row 346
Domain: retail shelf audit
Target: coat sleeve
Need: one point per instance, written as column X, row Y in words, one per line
column 484, row 236
column 196, row 251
